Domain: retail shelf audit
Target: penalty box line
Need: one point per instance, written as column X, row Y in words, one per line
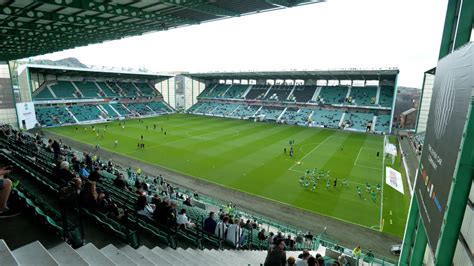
column 311, row 151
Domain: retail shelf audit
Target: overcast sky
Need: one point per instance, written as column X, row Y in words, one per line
column 335, row 34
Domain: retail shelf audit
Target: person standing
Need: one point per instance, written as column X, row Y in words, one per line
column 276, row 255
column 357, row 252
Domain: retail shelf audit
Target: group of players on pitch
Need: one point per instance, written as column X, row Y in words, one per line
column 99, row 133
column 311, row 178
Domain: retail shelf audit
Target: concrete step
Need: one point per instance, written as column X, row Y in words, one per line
column 239, row 257
column 116, row 256
column 204, row 256
column 92, row 255
column 138, row 258
column 6, row 255
column 153, row 257
column 177, row 256
column 34, row 254
column 198, row 260
column 66, row 255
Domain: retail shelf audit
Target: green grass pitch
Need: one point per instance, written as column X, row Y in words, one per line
column 249, row 157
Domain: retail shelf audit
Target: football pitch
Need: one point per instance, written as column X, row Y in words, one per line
column 250, row 157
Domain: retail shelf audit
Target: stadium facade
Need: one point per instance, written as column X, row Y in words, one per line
column 439, row 229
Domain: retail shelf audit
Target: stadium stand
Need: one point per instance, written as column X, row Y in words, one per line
column 115, row 88
column 159, row 107
column 333, row 94
column 225, row 109
column 359, row 121
column 145, row 88
column 386, row 96
column 257, row 92
column 204, row 107
column 296, row 115
column 44, row 94
column 64, row 90
column 270, row 113
column 236, row 91
column 363, row 95
column 109, row 92
column 109, row 111
column 85, row 112
column 244, row 111
column 127, row 88
column 305, row 100
column 326, row 118
column 121, row 109
column 215, row 91
column 383, row 123
column 50, row 116
column 279, row 93
column 88, row 89
column 302, row 94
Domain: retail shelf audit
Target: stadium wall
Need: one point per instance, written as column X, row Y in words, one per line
column 425, row 100
column 192, row 88
column 167, row 88
column 7, row 99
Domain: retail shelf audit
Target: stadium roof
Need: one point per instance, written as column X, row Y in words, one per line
column 340, row 74
column 75, row 71
column 36, row 27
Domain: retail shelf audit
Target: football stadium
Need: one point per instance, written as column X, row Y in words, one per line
column 125, row 166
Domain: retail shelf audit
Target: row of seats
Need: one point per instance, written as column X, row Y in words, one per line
column 365, row 96
column 90, row 89
column 316, row 117
column 53, row 116
column 358, row 121
column 270, row 113
column 85, row 112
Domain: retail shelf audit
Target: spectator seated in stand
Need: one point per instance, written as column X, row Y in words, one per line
column 5, row 189
column 188, row 202
column 183, row 221
column 143, row 208
column 64, row 176
column 120, row 182
column 89, row 197
column 210, row 224
column 160, row 214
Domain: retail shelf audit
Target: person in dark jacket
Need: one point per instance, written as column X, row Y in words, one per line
column 276, row 255
column 210, row 224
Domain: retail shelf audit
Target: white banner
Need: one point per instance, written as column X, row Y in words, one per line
column 26, row 115
column 393, row 178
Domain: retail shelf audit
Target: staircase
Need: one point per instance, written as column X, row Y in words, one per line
column 72, row 115
column 377, row 97
column 36, row 254
column 246, row 92
column 316, row 94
